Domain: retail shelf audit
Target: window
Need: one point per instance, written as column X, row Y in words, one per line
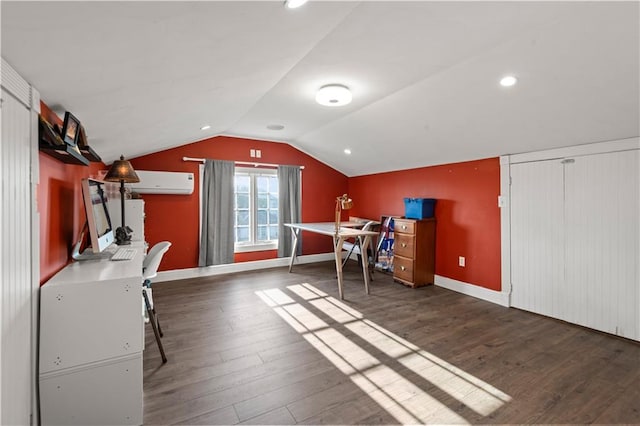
column 255, row 209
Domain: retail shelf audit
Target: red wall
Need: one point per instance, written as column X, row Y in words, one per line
column 467, row 213
column 175, row 217
column 59, row 198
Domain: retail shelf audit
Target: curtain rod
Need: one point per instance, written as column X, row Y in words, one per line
column 245, row 163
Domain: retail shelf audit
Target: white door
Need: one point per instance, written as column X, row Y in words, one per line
column 575, row 238
column 601, row 205
column 15, row 253
column 537, row 236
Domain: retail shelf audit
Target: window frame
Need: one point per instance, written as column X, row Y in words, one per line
column 252, row 245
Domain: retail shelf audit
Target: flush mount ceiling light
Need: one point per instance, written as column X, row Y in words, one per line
column 275, row 127
column 347, row 151
column 508, row 81
column 205, row 127
column 333, row 95
column 292, row 4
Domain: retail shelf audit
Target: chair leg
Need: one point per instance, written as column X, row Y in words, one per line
column 158, row 322
column 344, row 261
column 147, row 283
column 152, row 320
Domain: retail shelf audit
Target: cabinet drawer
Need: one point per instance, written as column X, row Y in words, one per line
column 403, row 268
column 404, row 245
column 405, row 226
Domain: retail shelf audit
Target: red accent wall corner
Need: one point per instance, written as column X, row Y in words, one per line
column 467, row 213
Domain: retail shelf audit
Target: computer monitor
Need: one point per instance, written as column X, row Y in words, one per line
column 98, row 221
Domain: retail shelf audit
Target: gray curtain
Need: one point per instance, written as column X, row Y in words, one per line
column 216, row 240
column 289, row 207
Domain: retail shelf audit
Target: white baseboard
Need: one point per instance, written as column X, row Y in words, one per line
column 208, row 271
column 497, row 297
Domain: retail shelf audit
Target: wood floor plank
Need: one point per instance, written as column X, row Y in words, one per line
column 281, row 396
column 222, row 416
column 426, row 355
column 279, row 416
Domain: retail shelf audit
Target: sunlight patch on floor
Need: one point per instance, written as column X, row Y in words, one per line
column 405, row 400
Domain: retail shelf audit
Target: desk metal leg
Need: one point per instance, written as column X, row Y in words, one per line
column 294, row 251
column 337, row 250
column 365, row 261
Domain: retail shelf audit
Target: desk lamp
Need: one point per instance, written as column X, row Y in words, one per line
column 342, row 203
column 122, row 171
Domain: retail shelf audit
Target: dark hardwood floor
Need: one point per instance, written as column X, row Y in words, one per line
column 270, row 347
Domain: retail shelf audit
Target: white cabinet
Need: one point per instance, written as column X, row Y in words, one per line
column 133, row 216
column 106, row 393
column 575, row 238
column 91, row 331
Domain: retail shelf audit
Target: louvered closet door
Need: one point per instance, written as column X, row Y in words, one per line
column 602, row 254
column 537, row 236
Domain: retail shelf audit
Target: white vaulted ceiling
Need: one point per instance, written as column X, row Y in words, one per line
column 146, row 76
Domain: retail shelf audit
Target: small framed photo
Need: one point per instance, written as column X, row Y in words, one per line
column 70, row 129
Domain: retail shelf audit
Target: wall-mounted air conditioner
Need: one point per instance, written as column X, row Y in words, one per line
column 154, row 182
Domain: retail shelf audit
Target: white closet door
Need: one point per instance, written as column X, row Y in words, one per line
column 537, row 236
column 15, row 263
column 602, row 244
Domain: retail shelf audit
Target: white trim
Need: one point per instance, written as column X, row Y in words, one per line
column 181, row 274
column 577, row 150
column 246, row 248
column 497, row 297
column 505, row 227
column 253, row 244
column 200, row 176
column 15, row 84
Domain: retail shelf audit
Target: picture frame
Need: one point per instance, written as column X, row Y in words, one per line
column 70, row 129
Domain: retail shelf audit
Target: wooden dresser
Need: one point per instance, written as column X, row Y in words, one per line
column 414, row 251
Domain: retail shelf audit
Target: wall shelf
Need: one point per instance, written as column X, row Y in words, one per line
column 85, row 149
column 66, row 154
column 88, row 153
column 51, row 143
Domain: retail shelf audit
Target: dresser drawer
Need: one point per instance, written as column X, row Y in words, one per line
column 403, row 268
column 405, row 226
column 404, row 245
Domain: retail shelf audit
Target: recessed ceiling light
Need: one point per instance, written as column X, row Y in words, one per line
column 275, row 127
column 508, row 81
column 347, row 151
column 205, row 127
column 333, row 95
column 292, row 4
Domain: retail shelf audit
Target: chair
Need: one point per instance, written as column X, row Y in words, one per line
column 150, row 266
column 354, row 247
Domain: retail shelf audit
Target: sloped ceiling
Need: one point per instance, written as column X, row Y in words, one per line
column 146, row 76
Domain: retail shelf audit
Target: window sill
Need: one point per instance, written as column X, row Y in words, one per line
column 255, row 247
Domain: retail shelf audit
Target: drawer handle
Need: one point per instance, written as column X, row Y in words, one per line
column 403, row 245
column 402, row 268
column 404, row 226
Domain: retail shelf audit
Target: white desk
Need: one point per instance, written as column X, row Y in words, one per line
column 91, row 331
column 346, row 231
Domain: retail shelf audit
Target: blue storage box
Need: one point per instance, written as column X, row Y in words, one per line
column 419, row 208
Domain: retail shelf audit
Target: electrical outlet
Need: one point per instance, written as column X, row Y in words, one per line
column 252, row 153
column 461, row 261
column 258, row 153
